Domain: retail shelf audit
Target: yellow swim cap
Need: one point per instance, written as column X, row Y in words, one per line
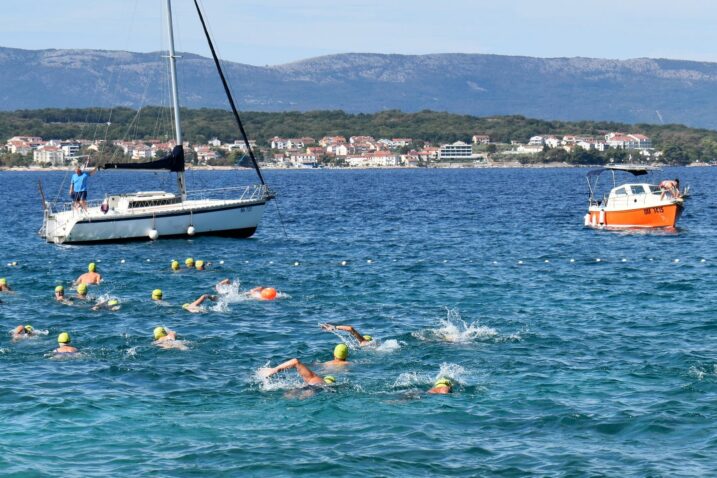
column 189, row 262
column 199, row 264
column 92, row 267
column 82, row 289
column 112, row 302
column 341, row 351
column 185, row 306
column 443, row 382
column 63, row 338
column 175, row 265
column 3, row 281
column 59, row 288
column 28, row 328
column 159, row 332
column 367, row 338
column 157, row 294
column 329, row 379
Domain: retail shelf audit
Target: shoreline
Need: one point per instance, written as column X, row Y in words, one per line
column 502, row 165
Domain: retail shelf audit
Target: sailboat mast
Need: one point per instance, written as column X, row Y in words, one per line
column 175, row 96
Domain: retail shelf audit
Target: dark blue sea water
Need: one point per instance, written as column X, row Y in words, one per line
column 565, row 365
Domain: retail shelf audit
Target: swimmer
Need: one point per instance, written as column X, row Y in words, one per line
column 157, row 294
column 443, row 386
column 305, row 372
column 363, row 340
column 195, row 307
column 3, row 285
column 189, row 262
column 341, row 353
column 167, row 339
column 110, row 304
column 199, row 265
column 22, row 332
column 263, row 293
column 223, row 283
column 63, row 340
column 175, row 266
column 60, row 295
column 89, row 277
column 82, row 291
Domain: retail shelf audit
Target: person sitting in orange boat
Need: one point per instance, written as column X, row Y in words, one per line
column 22, row 332
column 443, row 386
column 196, row 306
column 305, row 372
column 670, row 186
column 89, row 277
column 363, row 340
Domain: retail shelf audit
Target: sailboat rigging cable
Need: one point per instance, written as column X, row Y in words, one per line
column 230, row 98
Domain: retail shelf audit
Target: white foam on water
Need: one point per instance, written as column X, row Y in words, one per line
column 453, row 371
column 4, row 351
column 411, row 379
column 385, row 346
column 287, row 380
column 132, row 351
column 454, row 329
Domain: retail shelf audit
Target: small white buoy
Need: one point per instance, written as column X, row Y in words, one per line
column 153, row 234
column 221, row 262
column 445, row 261
column 495, row 262
column 547, row 261
column 369, row 261
column 650, row 259
column 246, row 262
column 343, row 263
column 271, row 262
column 598, row 259
column 296, row 264
column 190, row 231
column 624, row 260
column 149, row 260
column 122, row 261
column 703, row 260
column 676, row 261
column 572, row 260
column 520, row 263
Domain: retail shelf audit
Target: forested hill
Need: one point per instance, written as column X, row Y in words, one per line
column 683, row 144
column 631, row 91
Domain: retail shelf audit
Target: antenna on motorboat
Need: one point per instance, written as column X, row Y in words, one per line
column 175, row 98
column 228, row 93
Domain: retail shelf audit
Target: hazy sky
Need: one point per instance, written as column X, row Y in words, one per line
column 263, row 32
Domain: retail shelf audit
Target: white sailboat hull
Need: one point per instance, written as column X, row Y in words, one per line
column 234, row 218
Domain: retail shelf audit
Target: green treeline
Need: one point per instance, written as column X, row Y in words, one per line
column 679, row 143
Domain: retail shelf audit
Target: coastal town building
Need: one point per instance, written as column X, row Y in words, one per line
column 331, row 140
column 49, row 155
column 456, row 151
column 536, row 141
column 628, row 141
column 481, row 139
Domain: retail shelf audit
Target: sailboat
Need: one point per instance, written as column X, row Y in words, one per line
column 151, row 215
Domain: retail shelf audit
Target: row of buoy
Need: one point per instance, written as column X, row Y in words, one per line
column 153, row 234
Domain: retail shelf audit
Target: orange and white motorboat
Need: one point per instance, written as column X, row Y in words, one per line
column 632, row 205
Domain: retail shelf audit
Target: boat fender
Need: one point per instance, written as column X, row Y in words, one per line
column 153, row 234
column 594, row 220
column 191, row 231
column 602, row 217
column 587, row 223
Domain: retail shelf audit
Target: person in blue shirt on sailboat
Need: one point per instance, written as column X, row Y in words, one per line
column 78, row 187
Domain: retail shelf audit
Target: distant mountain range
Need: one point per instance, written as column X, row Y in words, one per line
column 632, row 91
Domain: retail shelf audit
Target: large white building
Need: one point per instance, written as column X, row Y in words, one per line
column 457, row 150
column 52, row 155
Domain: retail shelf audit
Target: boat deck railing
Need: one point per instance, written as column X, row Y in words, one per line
column 253, row 192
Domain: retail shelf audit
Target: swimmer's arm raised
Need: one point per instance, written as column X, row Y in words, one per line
column 345, row 328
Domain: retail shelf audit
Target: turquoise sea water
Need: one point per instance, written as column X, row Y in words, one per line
column 563, row 368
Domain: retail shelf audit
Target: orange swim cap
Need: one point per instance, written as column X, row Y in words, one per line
column 268, row 293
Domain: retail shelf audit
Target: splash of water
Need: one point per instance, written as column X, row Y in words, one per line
column 456, row 330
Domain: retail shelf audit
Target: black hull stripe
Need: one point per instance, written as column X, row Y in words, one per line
column 233, row 233
column 174, row 214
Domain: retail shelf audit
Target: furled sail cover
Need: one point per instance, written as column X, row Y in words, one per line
column 173, row 162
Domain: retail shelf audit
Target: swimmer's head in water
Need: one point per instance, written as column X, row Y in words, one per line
column 268, row 293
column 189, row 262
column 159, row 332
column 19, row 330
column 199, row 265
column 82, row 289
column 92, row 267
column 175, row 265
column 443, row 382
column 367, row 338
column 28, row 329
column 63, row 338
column 186, row 306
column 112, row 303
column 329, row 379
column 341, row 352
column 157, row 294
column 3, row 281
column 59, row 289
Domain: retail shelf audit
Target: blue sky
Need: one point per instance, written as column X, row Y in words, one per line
column 264, row 32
